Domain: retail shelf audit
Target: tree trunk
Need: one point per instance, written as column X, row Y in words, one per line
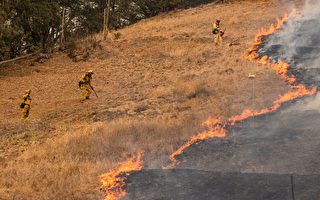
column 5, row 3
column 106, row 17
column 104, row 23
column 62, row 36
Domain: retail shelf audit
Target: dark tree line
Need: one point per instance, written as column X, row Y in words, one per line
column 27, row 26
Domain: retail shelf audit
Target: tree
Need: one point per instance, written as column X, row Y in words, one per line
column 30, row 25
column 39, row 19
column 11, row 44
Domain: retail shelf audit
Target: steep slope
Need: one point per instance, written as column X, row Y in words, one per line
column 166, row 66
column 155, row 85
column 278, row 146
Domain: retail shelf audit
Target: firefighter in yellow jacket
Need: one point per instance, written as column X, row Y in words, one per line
column 26, row 104
column 216, row 31
column 85, row 85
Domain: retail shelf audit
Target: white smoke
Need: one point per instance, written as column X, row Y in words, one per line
column 312, row 7
column 298, row 41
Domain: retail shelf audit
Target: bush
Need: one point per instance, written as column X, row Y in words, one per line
column 191, row 89
column 117, row 36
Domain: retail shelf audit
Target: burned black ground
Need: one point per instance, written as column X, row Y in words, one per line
column 201, row 185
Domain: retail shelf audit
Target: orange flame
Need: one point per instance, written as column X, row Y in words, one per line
column 251, row 53
column 211, row 122
column 219, row 130
column 282, row 70
column 272, row 28
column 281, row 67
column 113, row 182
column 298, row 92
column 216, row 132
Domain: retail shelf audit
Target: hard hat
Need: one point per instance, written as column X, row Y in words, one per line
column 28, row 91
column 89, row 71
column 252, row 76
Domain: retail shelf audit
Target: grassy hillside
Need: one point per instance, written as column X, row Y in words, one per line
column 156, row 84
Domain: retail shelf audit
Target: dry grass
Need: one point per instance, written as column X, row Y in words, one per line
column 189, row 89
column 69, row 167
column 155, row 84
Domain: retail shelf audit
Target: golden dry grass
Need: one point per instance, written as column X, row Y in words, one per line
column 156, row 84
column 68, row 167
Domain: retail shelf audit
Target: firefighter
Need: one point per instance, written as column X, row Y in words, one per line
column 26, row 104
column 216, row 31
column 85, row 85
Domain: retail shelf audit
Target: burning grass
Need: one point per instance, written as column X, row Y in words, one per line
column 216, row 126
column 112, row 182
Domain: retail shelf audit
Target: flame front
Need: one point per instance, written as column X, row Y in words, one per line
column 300, row 91
column 281, row 67
column 251, row 53
column 113, row 182
column 215, row 131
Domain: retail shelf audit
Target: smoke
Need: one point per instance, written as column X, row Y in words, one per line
column 298, row 43
column 299, row 40
column 312, row 7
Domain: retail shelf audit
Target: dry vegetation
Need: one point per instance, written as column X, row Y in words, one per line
column 69, row 167
column 156, row 83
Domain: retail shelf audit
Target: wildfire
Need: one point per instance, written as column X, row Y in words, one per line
column 113, row 182
column 217, row 126
column 300, row 91
column 217, row 131
column 282, row 70
column 272, row 28
column 251, row 53
column 211, row 122
column 281, row 67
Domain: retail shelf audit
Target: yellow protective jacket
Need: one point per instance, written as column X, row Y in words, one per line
column 26, row 99
column 215, row 28
column 85, row 80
